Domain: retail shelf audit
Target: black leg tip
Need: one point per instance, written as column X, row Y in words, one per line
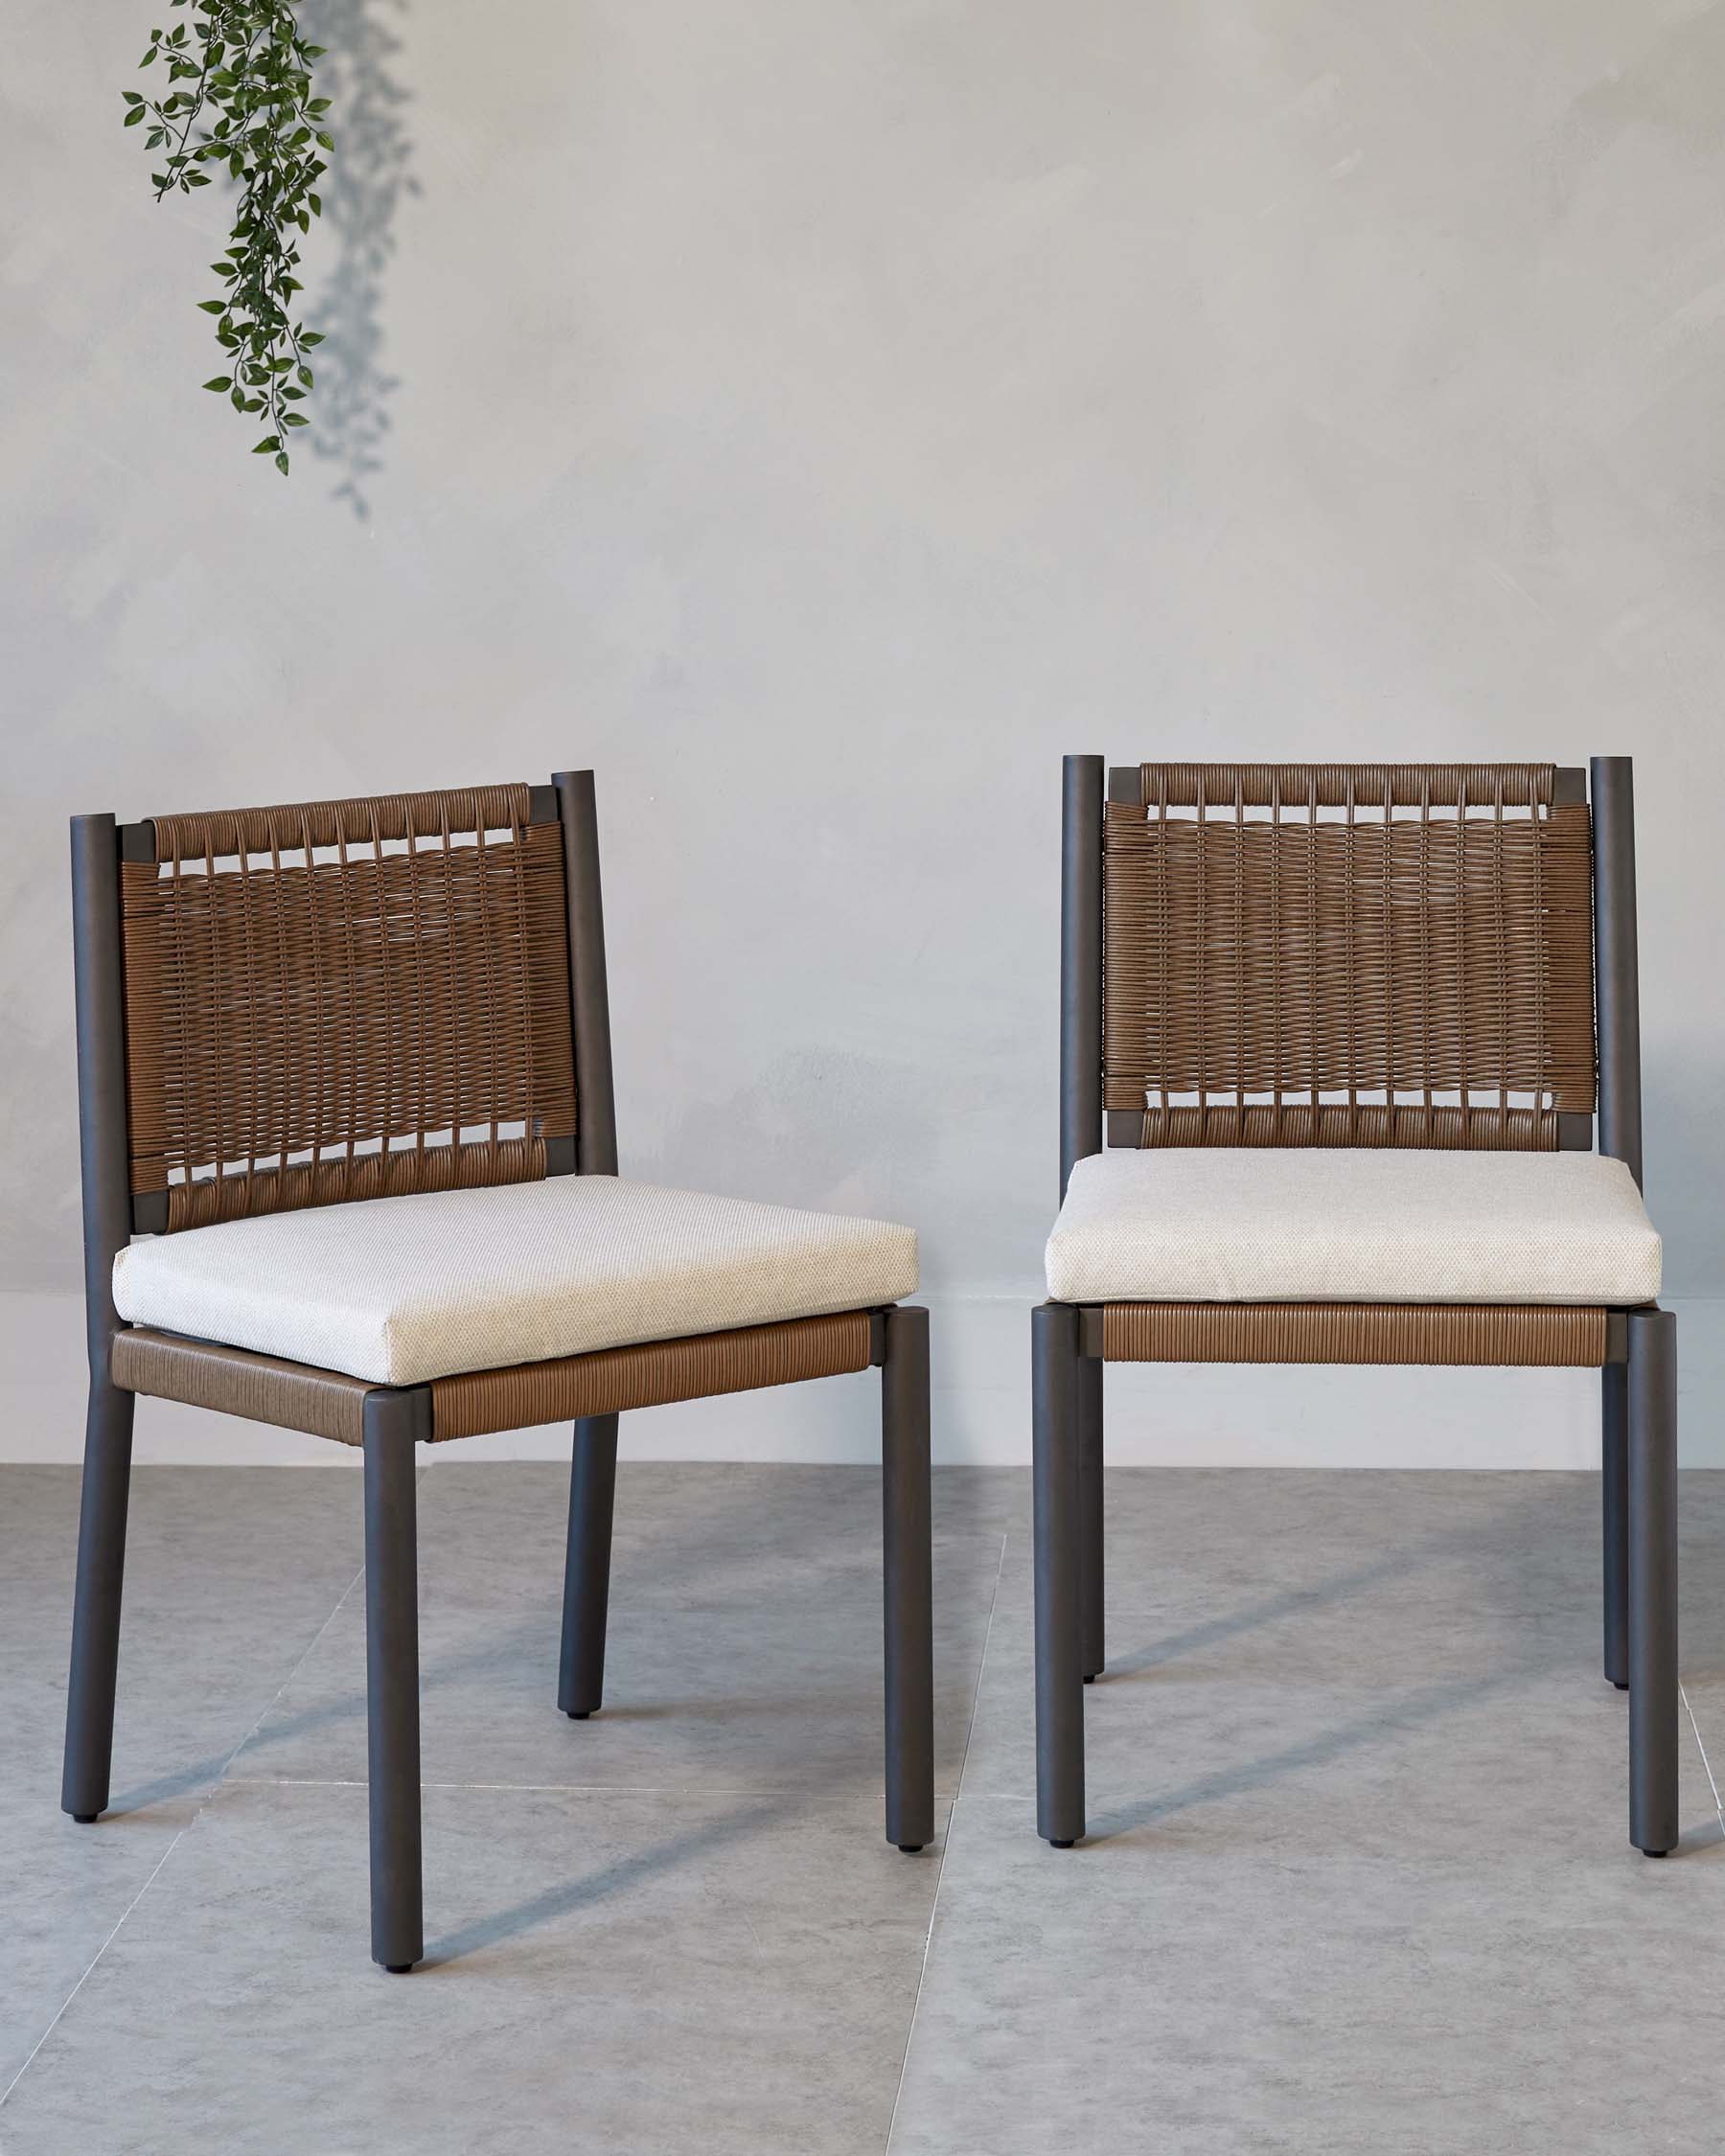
column 1091, row 1676
column 1620, row 1683
column 578, row 1713
column 86, row 1818
column 1656, row 1853
column 910, row 1848
column 398, row 1968
column 1054, row 1843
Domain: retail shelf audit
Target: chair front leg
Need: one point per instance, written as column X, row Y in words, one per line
column 1059, row 1557
column 96, row 1601
column 1653, row 1581
column 1090, row 1508
column 909, row 1580
column 1614, row 1508
column 587, row 1565
column 392, row 1680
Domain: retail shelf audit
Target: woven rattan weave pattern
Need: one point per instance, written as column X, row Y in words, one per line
column 327, row 1404
column 615, row 1379
column 1474, row 1335
column 346, row 1000
column 1326, row 968
column 256, row 1387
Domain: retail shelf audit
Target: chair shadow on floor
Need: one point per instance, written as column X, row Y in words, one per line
column 712, row 1560
column 1498, row 1552
column 757, row 1816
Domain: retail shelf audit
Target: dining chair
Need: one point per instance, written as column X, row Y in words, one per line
column 1328, row 1095
column 349, row 1167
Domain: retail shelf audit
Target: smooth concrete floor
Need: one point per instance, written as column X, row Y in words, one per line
column 1357, row 1876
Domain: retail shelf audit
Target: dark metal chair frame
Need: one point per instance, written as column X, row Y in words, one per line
column 1634, row 1348
column 368, row 1061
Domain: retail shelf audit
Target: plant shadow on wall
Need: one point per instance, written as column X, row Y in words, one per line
column 371, row 171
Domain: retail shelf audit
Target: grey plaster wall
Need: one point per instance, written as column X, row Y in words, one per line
column 818, row 416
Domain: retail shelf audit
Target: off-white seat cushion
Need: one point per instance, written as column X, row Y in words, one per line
column 401, row 1289
column 1228, row 1225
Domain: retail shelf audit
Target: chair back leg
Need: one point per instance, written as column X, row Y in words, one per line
column 1653, row 1581
column 1059, row 1557
column 909, row 1580
column 392, row 1681
column 587, row 1565
column 96, row 1602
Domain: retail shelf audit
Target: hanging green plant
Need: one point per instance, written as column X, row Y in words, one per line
column 238, row 99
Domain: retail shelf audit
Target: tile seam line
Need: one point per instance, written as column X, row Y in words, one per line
column 309, row 1649
column 1700, row 1747
column 946, row 1843
column 559, row 1788
column 199, row 1809
column 65, row 2003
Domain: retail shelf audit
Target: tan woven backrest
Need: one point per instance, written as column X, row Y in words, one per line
column 1347, row 955
column 346, row 1000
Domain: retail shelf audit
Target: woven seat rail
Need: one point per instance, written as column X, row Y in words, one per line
column 1348, row 955
column 344, row 999
column 610, row 1381
column 1471, row 1335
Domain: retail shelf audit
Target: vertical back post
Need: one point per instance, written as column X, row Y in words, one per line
column 1615, row 967
column 1080, row 962
column 595, row 1104
column 100, row 1005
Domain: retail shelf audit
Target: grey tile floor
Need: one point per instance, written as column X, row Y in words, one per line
column 1357, row 1877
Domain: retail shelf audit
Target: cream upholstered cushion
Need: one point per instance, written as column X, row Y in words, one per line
column 1228, row 1225
column 401, row 1289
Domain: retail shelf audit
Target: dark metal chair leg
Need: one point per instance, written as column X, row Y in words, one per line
column 586, row 1568
column 96, row 1602
column 1059, row 1550
column 1653, row 1581
column 909, row 1580
column 1090, row 1508
column 1614, row 1490
column 392, row 1681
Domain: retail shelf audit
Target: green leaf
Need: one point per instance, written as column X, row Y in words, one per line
column 326, row 142
column 282, row 462
column 219, row 381
column 316, row 205
column 269, row 444
column 236, row 397
column 213, row 307
column 312, row 338
column 133, row 116
column 295, row 418
column 304, row 375
column 132, row 96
